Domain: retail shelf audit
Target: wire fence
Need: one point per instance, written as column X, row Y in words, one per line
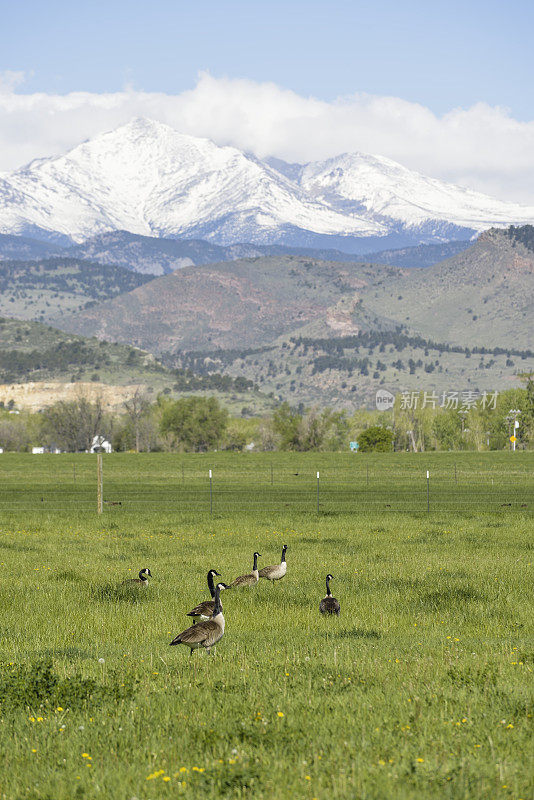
column 324, row 483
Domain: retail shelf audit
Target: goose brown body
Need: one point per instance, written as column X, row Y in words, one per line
column 204, row 610
column 141, row 582
column 250, row 579
column 329, row 604
column 205, row 634
column 275, row 572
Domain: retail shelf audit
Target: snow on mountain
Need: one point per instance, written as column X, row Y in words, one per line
column 382, row 190
column 147, row 178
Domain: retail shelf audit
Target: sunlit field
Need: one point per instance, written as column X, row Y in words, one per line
column 423, row 687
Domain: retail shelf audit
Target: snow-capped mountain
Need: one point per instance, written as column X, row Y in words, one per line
column 147, row 178
column 386, row 192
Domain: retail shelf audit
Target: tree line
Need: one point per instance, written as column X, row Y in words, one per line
column 198, row 423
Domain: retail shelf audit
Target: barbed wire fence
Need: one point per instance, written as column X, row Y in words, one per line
column 103, row 484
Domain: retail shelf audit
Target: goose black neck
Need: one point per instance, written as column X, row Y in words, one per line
column 211, row 585
column 217, row 608
column 142, row 576
column 255, row 562
column 328, row 592
column 283, row 554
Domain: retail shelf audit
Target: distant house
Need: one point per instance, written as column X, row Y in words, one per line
column 100, row 445
column 51, row 448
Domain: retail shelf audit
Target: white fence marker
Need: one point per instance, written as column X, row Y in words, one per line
column 211, row 495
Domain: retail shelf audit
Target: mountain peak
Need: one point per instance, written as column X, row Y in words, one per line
column 147, row 178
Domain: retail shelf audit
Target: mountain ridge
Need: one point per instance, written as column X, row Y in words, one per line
column 484, row 294
column 146, row 178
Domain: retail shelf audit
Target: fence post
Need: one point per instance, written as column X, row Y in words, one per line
column 272, row 481
column 428, row 490
column 74, row 471
column 211, row 495
column 99, row 484
column 367, row 469
column 183, row 477
column 455, row 477
column 317, row 492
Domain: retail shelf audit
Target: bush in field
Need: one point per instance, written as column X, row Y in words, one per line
column 376, row 438
column 37, row 685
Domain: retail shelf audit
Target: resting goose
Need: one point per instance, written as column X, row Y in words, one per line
column 141, row 581
column 248, row 580
column 204, row 610
column 329, row 604
column 275, row 571
column 205, row 634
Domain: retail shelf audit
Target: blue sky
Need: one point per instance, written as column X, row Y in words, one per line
column 443, row 88
column 440, row 54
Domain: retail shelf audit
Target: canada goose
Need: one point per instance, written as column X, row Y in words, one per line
column 141, row 581
column 248, row 580
column 276, row 571
column 208, row 633
column 329, row 604
column 204, row 610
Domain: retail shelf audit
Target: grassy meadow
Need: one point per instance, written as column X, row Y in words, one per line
column 423, row 687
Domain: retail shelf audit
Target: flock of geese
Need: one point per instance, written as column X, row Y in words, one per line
column 208, row 620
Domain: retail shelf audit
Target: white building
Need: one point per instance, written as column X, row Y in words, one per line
column 53, row 448
column 100, row 445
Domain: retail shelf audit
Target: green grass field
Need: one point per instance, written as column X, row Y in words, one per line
column 423, row 687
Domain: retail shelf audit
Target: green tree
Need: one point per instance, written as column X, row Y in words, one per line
column 194, row 423
column 447, row 428
column 286, row 424
column 73, row 424
column 376, row 438
column 323, row 430
column 235, row 438
column 137, row 408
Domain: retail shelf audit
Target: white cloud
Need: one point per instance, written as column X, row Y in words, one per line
column 481, row 147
